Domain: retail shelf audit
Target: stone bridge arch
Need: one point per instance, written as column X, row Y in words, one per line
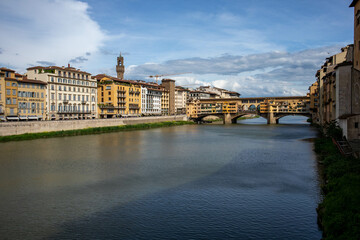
column 276, row 117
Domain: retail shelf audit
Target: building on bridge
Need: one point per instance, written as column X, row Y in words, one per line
column 220, row 93
column 229, row 109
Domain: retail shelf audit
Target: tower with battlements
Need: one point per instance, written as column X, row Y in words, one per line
column 120, row 68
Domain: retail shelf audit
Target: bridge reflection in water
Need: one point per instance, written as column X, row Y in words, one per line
column 229, row 109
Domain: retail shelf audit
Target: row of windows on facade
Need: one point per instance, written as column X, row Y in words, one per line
column 30, row 106
column 68, row 74
column 68, row 97
column 24, row 85
column 30, row 94
column 8, row 92
column 72, row 108
column 10, row 100
column 64, row 88
column 31, row 85
column 71, row 81
column 130, row 99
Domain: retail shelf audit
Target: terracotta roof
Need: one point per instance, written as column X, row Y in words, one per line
column 353, row 3
column 26, row 80
column 58, row 68
column 7, row 69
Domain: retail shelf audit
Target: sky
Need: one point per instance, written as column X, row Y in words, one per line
column 257, row 47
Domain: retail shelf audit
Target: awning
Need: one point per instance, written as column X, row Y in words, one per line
column 12, row 118
column 40, row 116
column 2, row 118
column 23, row 118
column 33, row 118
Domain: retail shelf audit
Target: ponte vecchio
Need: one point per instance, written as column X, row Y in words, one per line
column 229, row 109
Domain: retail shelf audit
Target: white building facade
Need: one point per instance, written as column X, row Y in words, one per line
column 181, row 96
column 71, row 93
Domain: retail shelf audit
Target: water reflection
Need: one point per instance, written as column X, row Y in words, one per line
column 237, row 181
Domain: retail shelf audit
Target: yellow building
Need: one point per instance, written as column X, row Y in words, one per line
column 164, row 102
column 285, row 105
column 314, row 101
column 8, row 86
column 31, row 99
column 2, row 96
column 117, row 98
column 211, row 106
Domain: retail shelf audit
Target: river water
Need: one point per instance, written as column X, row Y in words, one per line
column 242, row 181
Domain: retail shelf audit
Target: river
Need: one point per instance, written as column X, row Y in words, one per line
column 242, row 181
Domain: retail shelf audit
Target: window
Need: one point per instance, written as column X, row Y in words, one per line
column 8, row 92
column 52, row 79
column 7, row 83
column 14, row 92
column 59, row 96
column 14, row 101
column 74, row 97
column 13, row 84
column 356, row 125
column 42, row 95
column 8, row 100
column 59, row 88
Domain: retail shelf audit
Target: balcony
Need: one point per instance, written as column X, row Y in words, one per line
column 134, row 106
column 121, row 102
column 66, row 101
column 106, row 106
column 83, row 102
column 121, row 96
column 122, row 91
column 73, row 111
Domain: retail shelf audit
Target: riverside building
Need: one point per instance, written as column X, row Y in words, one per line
column 8, row 95
column 338, row 82
column 181, row 96
column 117, row 97
column 151, row 95
column 31, row 99
column 71, row 93
column 21, row 98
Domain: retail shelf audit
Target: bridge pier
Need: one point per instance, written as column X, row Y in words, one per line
column 227, row 118
column 271, row 119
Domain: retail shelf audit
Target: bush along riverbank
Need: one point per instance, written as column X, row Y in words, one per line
column 88, row 131
column 339, row 211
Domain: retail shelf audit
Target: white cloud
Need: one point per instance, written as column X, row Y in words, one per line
column 266, row 74
column 46, row 31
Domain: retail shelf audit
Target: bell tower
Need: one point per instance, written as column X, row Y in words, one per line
column 120, row 68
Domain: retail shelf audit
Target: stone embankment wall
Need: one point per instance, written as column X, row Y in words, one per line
column 15, row 128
